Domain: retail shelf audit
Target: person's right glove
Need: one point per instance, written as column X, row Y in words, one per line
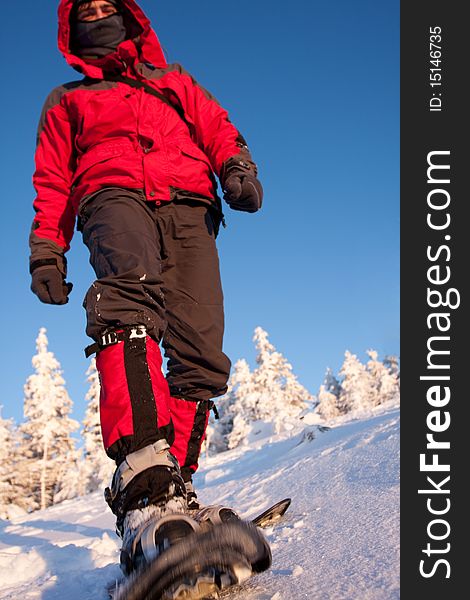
column 48, row 269
column 242, row 190
column 48, row 283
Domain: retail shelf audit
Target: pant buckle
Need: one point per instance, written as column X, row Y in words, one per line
column 138, row 332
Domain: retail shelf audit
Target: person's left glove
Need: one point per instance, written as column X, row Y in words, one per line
column 242, row 189
column 49, row 285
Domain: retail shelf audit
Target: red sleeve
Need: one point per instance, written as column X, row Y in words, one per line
column 216, row 135
column 55, row 217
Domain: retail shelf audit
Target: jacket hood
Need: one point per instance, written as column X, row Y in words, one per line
column 143, row 39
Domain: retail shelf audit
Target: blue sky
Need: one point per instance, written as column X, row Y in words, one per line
column 314, row 88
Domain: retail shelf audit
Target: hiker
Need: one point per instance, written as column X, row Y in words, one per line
column 131, row 149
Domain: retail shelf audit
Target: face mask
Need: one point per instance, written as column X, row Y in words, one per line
column 98, row 38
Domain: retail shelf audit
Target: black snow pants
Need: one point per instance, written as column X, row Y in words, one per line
column 158, row 266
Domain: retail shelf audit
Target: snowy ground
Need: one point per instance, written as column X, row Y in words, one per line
column 339, row 540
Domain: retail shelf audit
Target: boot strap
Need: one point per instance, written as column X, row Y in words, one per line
column 151, row 456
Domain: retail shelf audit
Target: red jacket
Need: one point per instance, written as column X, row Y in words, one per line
column 94, row 133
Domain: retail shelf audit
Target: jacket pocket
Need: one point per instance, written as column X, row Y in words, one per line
column 195, row 152
column 94, row 156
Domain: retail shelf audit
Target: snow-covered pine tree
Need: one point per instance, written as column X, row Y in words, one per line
column 280, row 397
column 392, row 364
column 97, row 468
column 9, row 493
column 269, row 394
column 49, row 450
column 357, row 386
column 329, row 405
column 385, row 381
column 240, row 405
column 69, row 484
column 239, row 388
column 295, row 394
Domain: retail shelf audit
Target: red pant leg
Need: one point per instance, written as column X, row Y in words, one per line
column 134, row 400
column 190, row 423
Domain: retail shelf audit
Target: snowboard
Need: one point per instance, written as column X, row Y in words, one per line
column 206, row 563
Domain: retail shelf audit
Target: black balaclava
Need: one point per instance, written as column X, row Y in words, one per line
column 98, row 38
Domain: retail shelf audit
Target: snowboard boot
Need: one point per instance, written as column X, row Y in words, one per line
column 148, row 497
column 167, row 554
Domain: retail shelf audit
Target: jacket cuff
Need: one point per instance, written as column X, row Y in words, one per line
column 46, row 252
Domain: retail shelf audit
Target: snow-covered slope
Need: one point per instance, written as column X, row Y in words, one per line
column 339, row 540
